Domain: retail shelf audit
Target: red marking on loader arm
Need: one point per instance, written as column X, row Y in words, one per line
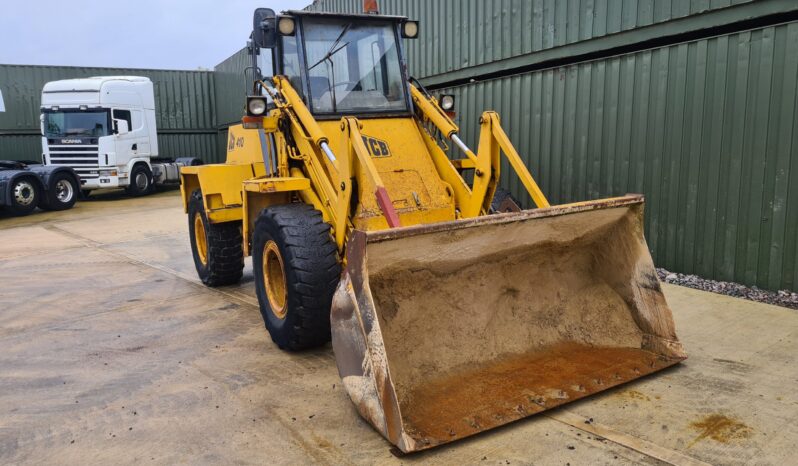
column 387, row 207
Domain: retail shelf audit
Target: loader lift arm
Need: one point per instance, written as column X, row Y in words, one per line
column 332, row 174
column 445, row 320
column 475, row 200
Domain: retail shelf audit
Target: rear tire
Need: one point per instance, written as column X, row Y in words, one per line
column 62, row 194
column 25, row 194
column 217, row 247
column 140, row 180
column 296, row 268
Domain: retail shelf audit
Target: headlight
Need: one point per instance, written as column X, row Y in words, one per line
column 108, row 173
column 286, row 26
column 256, row 106
column 447, row 102
column 410, row 29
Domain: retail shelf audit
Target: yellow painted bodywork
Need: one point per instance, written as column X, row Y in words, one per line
column 276, row 184
column 417, row 192
column 376, row 172
column 244, row 147
column 221, row 188
column 221, row 184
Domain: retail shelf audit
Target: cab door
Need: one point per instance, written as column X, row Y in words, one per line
column 124, row 141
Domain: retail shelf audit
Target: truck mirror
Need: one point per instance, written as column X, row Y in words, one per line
column 121, row 126
column 264, row 28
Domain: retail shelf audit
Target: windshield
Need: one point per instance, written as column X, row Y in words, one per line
column 91, row 123
column 353, row 67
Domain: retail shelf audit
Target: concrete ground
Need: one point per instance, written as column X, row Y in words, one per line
column 114, row 353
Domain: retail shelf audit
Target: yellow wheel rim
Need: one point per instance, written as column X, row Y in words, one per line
column 274, row 279
column 199, row 239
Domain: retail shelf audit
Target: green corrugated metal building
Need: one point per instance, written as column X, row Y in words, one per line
column 460, row 34
column 230, row 92
column 693, row 103
column 193, row 108
column 184, row 101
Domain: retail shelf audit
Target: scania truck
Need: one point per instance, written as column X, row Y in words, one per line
column 104, row 128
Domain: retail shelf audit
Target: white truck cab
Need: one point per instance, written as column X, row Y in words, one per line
column 104, row 127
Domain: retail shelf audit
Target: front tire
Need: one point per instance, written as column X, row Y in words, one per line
column 63, row 193
column 140, row 181
column 25, row 195
column 217, row 247
column 296, row 268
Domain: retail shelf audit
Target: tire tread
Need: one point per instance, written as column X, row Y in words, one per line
column 311, row 258
column 225, row 248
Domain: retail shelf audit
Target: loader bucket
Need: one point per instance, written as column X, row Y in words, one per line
column 446, row 330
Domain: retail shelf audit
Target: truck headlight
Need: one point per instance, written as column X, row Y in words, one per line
column 108, row 172
column 256, row 106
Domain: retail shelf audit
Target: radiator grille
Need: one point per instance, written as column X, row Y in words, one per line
column 83, row 159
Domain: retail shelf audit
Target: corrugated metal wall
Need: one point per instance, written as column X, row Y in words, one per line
column 708, row 130
column 184, row 100
column 230, row 92
column 458, row 34
column 231, row 87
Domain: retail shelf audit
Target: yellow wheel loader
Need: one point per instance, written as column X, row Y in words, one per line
column 446, row 318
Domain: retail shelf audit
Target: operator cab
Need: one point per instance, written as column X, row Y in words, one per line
column 339, row 64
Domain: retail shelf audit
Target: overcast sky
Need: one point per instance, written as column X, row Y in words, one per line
column 164, row 34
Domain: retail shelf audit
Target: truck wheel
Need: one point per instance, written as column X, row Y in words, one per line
column 140, row 180
column 216, row 247
column 296, row 268
column 25, row 195
column 62, row 194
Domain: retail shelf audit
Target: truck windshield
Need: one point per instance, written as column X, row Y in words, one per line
column 91, row 123
column 353, row 67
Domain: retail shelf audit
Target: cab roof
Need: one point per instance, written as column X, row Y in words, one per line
column 87, row 84
column 325, row 14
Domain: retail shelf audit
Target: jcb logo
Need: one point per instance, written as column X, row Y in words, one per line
column 233, row 142
column 376, row 147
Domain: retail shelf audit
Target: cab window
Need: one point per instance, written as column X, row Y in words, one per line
column 353, row 67
column 124, row 115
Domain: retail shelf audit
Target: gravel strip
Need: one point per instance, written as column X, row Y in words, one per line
column 782, row 298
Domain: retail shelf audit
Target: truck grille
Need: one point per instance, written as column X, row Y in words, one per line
column 84, row 159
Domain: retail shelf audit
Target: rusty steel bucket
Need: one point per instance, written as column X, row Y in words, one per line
column 446, row 330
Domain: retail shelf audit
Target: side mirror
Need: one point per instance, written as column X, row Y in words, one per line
column 121, row 127
column 264, row 28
